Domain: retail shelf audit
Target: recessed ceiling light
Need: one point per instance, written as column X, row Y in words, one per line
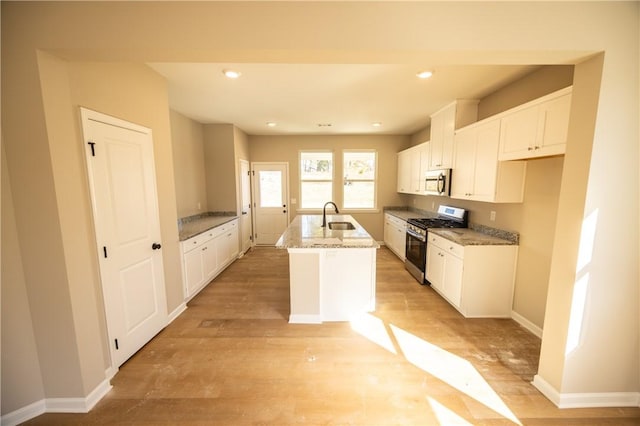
column 231, row 73
column 424, row 74
column 376, row 124
column 271, row 124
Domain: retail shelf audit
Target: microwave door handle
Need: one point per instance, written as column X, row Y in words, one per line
column 441, row 183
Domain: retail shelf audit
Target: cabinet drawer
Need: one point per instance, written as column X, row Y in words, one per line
column 192, row 243
column 446, row 245
column 395, row 221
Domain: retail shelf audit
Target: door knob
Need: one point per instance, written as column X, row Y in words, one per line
column 156, row 246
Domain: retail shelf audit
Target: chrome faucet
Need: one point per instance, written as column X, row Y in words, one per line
column 324, row 212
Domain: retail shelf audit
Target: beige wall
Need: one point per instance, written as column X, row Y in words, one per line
column 287, row 148
column 328, row 32
column 187, row 143
column 220, row 167
column 21, row 374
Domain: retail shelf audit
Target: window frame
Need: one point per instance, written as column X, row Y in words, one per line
column 301, row 180
column 374, row 208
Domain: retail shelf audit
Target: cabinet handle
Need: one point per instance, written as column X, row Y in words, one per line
column 204, row 248
column 156, row 246
column 529, row 148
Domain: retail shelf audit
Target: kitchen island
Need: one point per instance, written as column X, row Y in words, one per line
column 332, row 272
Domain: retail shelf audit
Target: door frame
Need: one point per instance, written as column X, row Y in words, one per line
column 253, row 193
column 242, row 161
column 86, row 115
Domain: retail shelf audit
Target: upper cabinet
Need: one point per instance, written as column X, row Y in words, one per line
column 537, row 128
column 412, row 166
column 443, row 125
column 478, row 175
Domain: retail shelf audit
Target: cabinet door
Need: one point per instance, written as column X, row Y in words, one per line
column 424, row 164
column 193, row 270
column 234, row 247
column 518, row 134
column 486, row 161
column 435, row 267
column 464, row 164
column 222, row 252
column 415, row 170
column 387, row 231
column 209, row 258
column 436, row 142
column 448, row 134
column 553, row 125
column 404, row 171
column 452, row 278
column 400, row 241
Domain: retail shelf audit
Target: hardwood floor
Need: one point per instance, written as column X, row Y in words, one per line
column 232, row 359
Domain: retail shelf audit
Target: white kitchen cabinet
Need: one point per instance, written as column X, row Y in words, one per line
column 444, row 268
column 395, row 231
column 227, row 246
column 476, row 279
column 443, row 125
column 412, row 165
column 478, row 175
column 205, row 255
column 537, row 128
column 404, row 171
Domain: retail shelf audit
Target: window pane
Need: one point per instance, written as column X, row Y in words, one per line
column 359, row 195
column 315, row 194
column 360, row 165
column 316, row 166
column 270, row 188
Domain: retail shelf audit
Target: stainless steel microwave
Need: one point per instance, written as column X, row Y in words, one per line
column 438, row 182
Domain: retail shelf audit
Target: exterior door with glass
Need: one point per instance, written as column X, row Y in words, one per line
column 271, row 201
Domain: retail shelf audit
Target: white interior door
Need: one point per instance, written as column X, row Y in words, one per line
column 125, row 208
column 271, row 201
column 245, row 215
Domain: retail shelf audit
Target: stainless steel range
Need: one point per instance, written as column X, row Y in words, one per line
column 416, row 244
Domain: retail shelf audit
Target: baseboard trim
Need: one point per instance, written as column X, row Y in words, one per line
column 586, row 400
column 176, row 312
column 305, row 319
column 526, row 324
column 23, row 414
column 57, row 405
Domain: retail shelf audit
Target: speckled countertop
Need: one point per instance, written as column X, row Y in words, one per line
column 475, row 235
column 470, row 237
column 305, row 231
column 193, row 225
column 406, row 214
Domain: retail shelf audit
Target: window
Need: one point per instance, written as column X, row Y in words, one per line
column 360, row 174
column 316, row 179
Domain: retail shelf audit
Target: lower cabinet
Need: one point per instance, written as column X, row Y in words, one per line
column 205, row 255
column 395, row 235
column 476, row 279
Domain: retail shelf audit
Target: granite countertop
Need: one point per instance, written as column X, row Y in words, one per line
column 305, row 231
column 406, row 214
column 470, row 237
column 193, row 225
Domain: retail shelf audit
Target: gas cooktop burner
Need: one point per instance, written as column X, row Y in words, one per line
column 448, row 217
column 435, row 222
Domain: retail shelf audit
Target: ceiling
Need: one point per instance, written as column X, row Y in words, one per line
column 326, row 98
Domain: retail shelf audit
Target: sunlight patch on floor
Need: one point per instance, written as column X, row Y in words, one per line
column 446, row 416
column 451, row 369
column 373, row 329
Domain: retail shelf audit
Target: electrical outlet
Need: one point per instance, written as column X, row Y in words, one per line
column 492, row 216
column 294, row 201
column 198, row 205
column 433, row 206
column 414, row 201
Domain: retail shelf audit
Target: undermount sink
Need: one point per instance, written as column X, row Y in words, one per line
column 341, row 226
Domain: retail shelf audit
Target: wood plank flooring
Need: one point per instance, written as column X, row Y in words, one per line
column 232, row 359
